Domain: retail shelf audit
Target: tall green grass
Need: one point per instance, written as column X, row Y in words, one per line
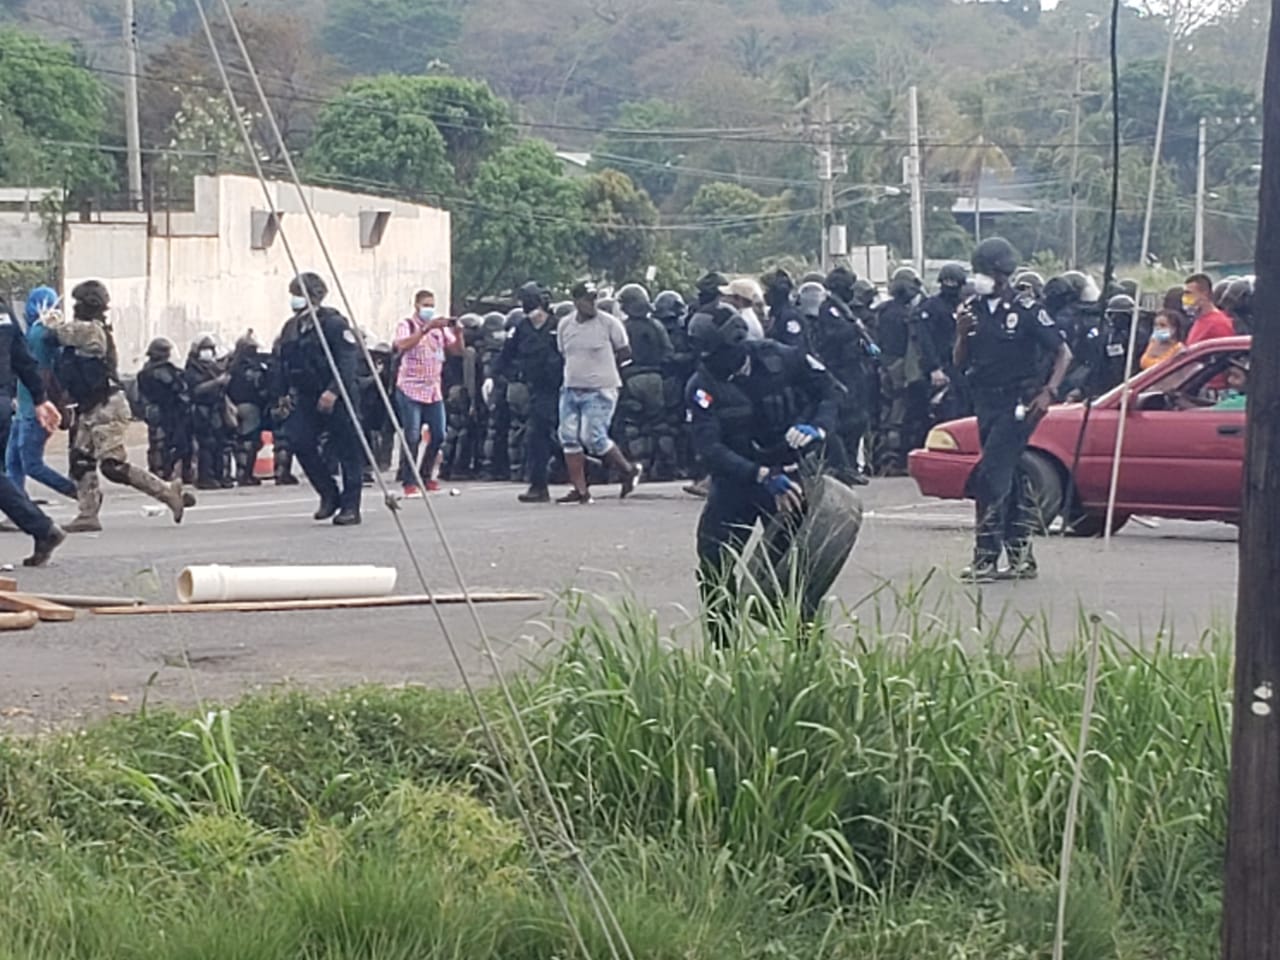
column 892, row 787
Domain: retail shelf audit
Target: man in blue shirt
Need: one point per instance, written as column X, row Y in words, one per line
column 24, row 456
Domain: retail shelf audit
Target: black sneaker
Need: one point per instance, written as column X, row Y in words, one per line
column 573, row 496
column 1022, row 570
column 535, row 495
column 981, row 572
column 630, row 480
column 45, row 546
column 347, row 518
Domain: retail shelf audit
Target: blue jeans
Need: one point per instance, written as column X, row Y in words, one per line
column 585, row 418
column 412, row 417
column 24, row 457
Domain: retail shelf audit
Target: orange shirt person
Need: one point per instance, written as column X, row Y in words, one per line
column 1166, row 339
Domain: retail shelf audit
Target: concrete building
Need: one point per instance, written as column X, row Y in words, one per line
column 222, row 267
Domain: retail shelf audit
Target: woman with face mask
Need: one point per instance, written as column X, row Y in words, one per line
column 1166, row 339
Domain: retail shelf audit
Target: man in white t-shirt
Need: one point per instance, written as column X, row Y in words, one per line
column 592, row 343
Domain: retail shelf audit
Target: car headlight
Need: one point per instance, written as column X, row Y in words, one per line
column 939, row 439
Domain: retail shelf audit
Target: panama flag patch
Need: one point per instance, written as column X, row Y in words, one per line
column 702, row 399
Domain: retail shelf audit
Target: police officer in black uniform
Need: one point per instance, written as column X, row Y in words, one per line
column 208, row 379
column 1112, row 348
column 937, row 319
column 842, row 344
column 905, row 361
column 250, row 391
column 999, row 339
column 674, row 455
column 530, row 357
column 314, row 400
column 166, row 405
column 786, row 323
column 641, row 409
column 754, row 407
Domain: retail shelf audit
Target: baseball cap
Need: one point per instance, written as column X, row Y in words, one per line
column 583, row 290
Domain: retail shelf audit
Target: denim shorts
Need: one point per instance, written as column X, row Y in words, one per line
column 585, row 416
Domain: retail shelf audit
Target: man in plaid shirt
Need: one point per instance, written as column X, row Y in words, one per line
column 421, row 342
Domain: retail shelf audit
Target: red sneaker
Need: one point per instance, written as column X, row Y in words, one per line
column 433, row 486
column 411, row 491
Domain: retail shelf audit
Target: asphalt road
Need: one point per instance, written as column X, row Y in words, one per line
column 1176, row 580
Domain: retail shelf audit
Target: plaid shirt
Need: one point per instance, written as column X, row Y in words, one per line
column 422, row 366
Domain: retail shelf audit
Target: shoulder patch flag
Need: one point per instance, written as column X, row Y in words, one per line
column 793, row 326
column 349, row 336
column 815, row 363
column 1045, row 319
column 702, row 399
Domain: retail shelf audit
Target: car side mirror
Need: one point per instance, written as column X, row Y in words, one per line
column 1151, row 400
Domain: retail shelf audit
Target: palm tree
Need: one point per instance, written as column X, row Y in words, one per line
column 974, row 148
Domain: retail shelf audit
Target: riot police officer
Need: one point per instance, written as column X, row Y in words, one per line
column 674, row 455
column 497, row 420
column 786, row 323
column 999, row 339
column 641, row 405
column 1112, row 349
column 937, row 319
column 166, row 401
column 754, row 406
column 530, row 358
column 461, row 384
column 314, row 403
column 905, row 362
column 208, row 379
column 843, row 345
column 249, row 389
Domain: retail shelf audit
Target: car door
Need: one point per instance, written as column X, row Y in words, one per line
column 1184, row 461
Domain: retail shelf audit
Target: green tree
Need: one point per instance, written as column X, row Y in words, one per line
column 472, row 119
column 374, row 132
column 404, row 36
column 729, row 221
column 522, row 220
column 647, row 159
column 50, row 106
column 619, row 242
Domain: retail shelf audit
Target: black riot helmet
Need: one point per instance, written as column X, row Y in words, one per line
column 840, row 282
column 905, row 284
column 634, row 301
column 90, row 300
column 311, row 287
column 1085, row 286
column 951, row 280
column 778, row 288
column 513, row 318
column 811, row 296
column 531, row 296
column 1059, row 293
column 1029, row 282
column 995, row 257
column 720, row 338
column 863, row 294
column 1121, row 305
column 160, row 350
column 1238, row 297
column 710, row 286
column 669, row 306
column 1220, row 291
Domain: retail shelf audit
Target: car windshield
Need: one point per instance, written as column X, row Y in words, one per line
column 1198, row 381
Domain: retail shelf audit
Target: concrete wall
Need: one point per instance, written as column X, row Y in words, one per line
column 199, row 272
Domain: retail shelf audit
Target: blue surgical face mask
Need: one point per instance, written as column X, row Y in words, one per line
column 298, row 303
column 426, row 313
column 983, row 285
column 1162, row 336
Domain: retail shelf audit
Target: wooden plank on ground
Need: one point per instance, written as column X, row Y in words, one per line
column 89, row 601
column 44, row 609
column 18, row 621
column 353, row 603
column 9, row 584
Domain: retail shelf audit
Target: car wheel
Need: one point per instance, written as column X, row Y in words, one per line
column 1093, row 524
column 1045, row 478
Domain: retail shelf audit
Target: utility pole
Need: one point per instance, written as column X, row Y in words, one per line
column 1077, row 95
column 827, row 174
column 133, row 139
column 917, row 191
column 1251, row 922
column 1202, row 153
column 1155, row 156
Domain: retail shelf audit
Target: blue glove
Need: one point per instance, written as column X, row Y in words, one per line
column 779, row 484
column 802, row 434
column 873, row 350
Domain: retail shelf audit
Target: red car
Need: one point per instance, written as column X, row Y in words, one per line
column 1183, row 446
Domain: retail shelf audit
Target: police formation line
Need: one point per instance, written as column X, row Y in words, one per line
column 736, row 390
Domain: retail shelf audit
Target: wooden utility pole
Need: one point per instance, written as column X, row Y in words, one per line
column 1251, row 917
column 133, row 140
column 913, row 175
column 1077, row 94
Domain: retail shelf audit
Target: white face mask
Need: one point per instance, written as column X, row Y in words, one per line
column 426, row 313
column 298, row 303
column 983, row 285
column 206, row 354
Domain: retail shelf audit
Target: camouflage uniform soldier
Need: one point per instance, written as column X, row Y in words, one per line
column 87, row 369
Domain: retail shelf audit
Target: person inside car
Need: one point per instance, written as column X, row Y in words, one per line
column 1234, row 395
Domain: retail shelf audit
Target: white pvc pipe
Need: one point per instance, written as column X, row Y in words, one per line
column 215, row 583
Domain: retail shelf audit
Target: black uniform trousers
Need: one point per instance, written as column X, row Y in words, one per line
column 541, row 428
column 303, row 428
column 1005, row 506
column 15, row 504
